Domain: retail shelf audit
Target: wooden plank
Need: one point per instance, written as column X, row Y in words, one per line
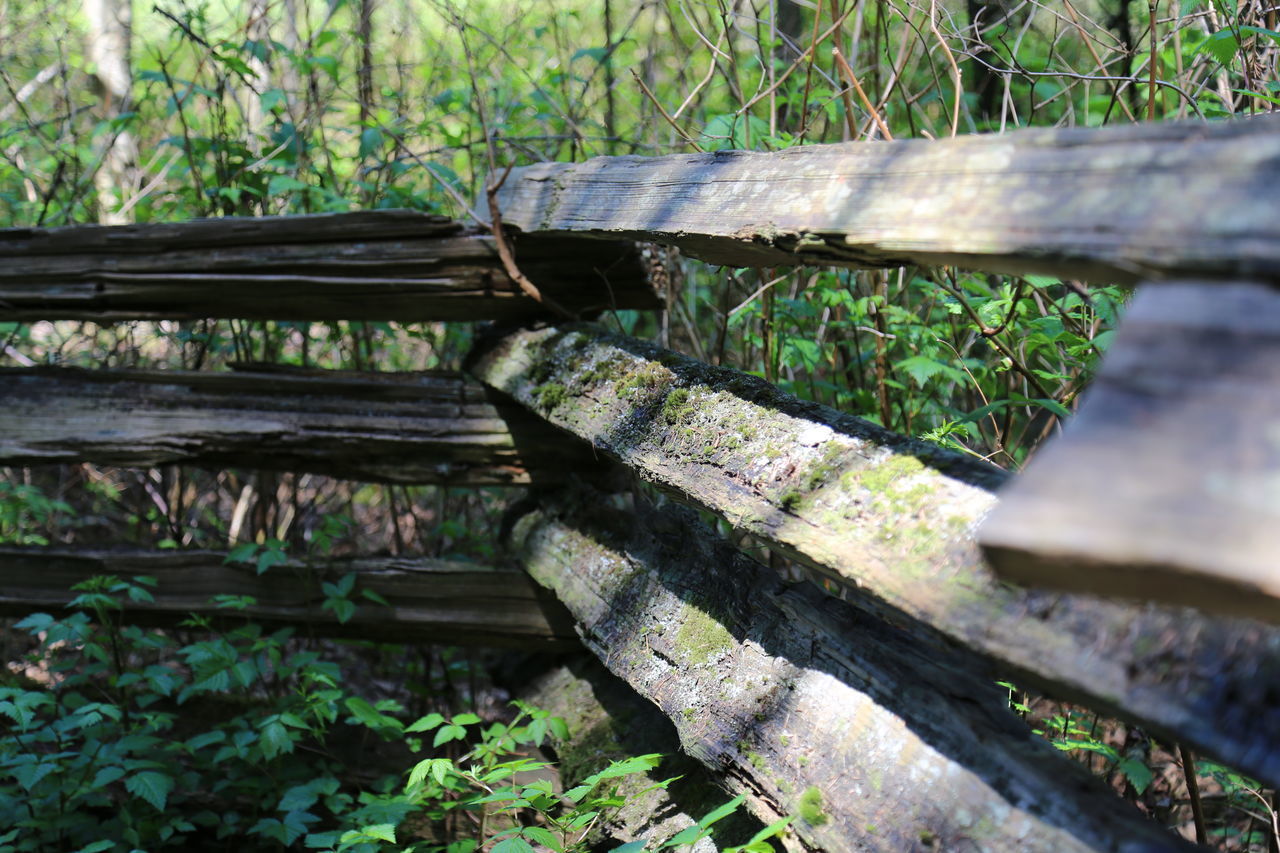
column 1166, row 484
column 806, row 706
column 433, row 427
column 394, row 265
column 431, row 601
column 1115, row 203
column 890, row 522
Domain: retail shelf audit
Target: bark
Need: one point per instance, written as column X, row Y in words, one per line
column 430, row 601
column 1180, row 427
column 398, row 428
column 608, row 721
column 889, row 522
column 394, row 265
column 1116, row 203
column 807, row 706
column 110, row 34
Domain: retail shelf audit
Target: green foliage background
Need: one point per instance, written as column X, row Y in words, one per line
column 292, row 106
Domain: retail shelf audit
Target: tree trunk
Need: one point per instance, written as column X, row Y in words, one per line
column 396, row 265
column 428, row 601
column 109, row 48
column 806, row 706
column 1115, row 203
column 396, row 428
column 888, row 522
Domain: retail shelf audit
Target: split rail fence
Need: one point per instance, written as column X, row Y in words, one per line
column 864, row 702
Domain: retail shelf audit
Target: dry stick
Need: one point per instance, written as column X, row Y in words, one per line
column 1193, row 793
column 508, row 259
column 1151, row 64
column 852, row 80
column 678, row 129
column 1088, row 43
column 955, row 69
column 808, row 74
column 849, row 120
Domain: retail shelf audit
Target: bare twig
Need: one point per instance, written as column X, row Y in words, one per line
column 508, row 258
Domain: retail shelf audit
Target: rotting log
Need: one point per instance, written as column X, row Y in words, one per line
column 394, row 265
column 428, row 601
column 809, row 708
column 1114, row 203
column 1166, row 485
column 608, row 721
column 391, row 427
column 889, row 522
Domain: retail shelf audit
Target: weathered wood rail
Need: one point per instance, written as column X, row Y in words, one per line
column 371, row 265
column 391, row 427
column 1185, row 405
column 890, row 523
column 1118, row 203
column 428, row 601
column 873, row 718
column 816, row 710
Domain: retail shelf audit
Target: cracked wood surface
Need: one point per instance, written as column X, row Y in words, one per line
column 394, row 265
column 889, row 523
column 806, row 706
column 430, row 601
column 391, row 427
column 1182, row 425
column 1114, row 203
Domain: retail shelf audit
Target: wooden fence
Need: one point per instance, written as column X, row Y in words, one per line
column 864, row 702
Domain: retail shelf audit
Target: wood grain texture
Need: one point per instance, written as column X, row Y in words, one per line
column 400, row 428
column 431, row 601
column 1166, row 485
column 1114, row 203
column 889, row 522
column 394, row 265
column 806, row 706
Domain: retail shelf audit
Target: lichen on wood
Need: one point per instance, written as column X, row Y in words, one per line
column 870, row 739
column 888, row 522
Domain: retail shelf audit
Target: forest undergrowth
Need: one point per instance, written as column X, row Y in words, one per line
column 116, row 112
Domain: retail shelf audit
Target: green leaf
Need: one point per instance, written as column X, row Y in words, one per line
column 425, row 724
column 369, row 716
column 542, row 836
column 281, row 184
column 723, row 811
column 97, row 847
column 152, row 786
column 1137, row 772
column 1221, row 45
column 465, row 720
column 631, row 846
column 106, row 776
column 270, row 558
column 276, row 739
column 436, row 768
column 448, row 733
column 242, row 553
column 370, row 142
column 514, row 844
column 380, row 831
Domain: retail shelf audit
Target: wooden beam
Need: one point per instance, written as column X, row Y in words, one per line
column 1114, row 203
column 399, row 428
column 890, row 522
column 1166, row 485
column 430, row 601
column 806, row 706
column 395, row 265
